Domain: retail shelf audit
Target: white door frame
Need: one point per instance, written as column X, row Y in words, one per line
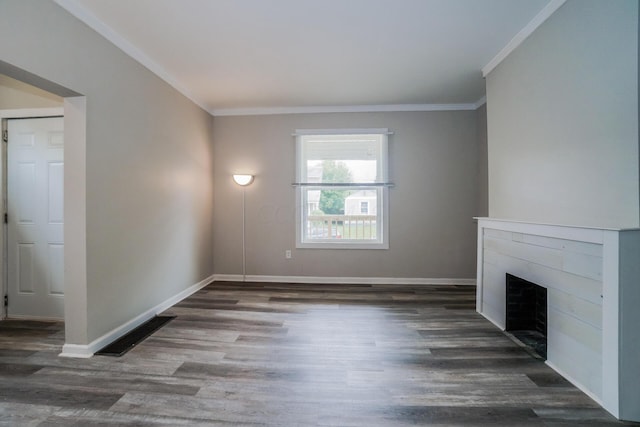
column 76, row 321
column 4, row 116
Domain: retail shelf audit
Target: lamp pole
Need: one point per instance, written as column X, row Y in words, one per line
column 243, row 180
column 244, row 249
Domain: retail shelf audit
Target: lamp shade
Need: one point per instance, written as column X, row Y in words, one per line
column 243, row 179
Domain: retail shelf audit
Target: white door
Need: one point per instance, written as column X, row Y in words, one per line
column 35, row 246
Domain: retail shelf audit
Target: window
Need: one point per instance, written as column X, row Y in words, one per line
column 342, row 189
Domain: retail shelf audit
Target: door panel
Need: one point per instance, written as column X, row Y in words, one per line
column 35, row 246
column 26, row 183
column 25, row 268
column 56, row 269
column 56, row 183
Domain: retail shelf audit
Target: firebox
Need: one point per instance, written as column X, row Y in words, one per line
column 526, row 313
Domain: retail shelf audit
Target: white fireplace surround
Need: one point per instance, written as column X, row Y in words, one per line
column 592, row 276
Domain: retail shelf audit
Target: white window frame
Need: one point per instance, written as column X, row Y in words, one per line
column 382, row 188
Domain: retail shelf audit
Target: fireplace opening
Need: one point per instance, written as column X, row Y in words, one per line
column 527, row 313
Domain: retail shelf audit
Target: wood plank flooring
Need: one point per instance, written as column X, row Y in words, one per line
column 295, row 355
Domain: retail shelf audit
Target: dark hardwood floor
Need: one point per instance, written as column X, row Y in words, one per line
column 295, row 355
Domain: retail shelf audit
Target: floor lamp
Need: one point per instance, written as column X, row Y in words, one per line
column 243, row 180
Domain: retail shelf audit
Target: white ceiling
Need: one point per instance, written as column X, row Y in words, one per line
column 235, row 55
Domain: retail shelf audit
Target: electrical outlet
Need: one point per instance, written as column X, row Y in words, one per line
column 287, row 254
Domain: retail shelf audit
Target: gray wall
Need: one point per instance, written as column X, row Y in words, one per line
column 563, row 120
column 433, row 162
column 149, row 192
column 483, row 162
column 15, row 94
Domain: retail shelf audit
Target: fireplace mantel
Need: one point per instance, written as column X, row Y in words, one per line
column 592, row 276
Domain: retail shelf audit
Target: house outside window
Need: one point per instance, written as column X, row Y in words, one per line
column 342, row 189
column 362, row 202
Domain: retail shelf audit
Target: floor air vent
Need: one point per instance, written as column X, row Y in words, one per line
column 135, row 337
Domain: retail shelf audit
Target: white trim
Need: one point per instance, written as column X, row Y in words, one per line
column 546, row 224
column 31, row 113
column 95, row 23
column 579, row 385
column 36, row 318
column 84, row 15
column 496, row 324
column 76, row 9
column 345, row 280
column 528, row 29
column 618, row 330
column 8, row 114
column 77, row 351
column 381, row 242
column 569, row 232
column 611, row 305
column 228, row 278
column 75, row 219
column 345, row 244
column 480, row 102
column 84, row 351
column 346, row 131
column 479, row 269
column 341, row 109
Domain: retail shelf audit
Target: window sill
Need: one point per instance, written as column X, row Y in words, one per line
column 341, row 245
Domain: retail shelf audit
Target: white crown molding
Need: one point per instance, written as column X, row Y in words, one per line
column 85, row 351
column 84, row 15
column 542, row 16
column 340, row 109
column 344, row 280
column 93, row 22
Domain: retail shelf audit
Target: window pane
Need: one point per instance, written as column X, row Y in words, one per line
column 339, row 176
column 342, row 158
column 340, row 215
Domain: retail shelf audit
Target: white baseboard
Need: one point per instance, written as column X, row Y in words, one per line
column 228, row 278
column 496, row 324
column 84, row 351
column 77, row 351
column 559, row 371
column 578, row 384
column 344, row 280
column 36, row 318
